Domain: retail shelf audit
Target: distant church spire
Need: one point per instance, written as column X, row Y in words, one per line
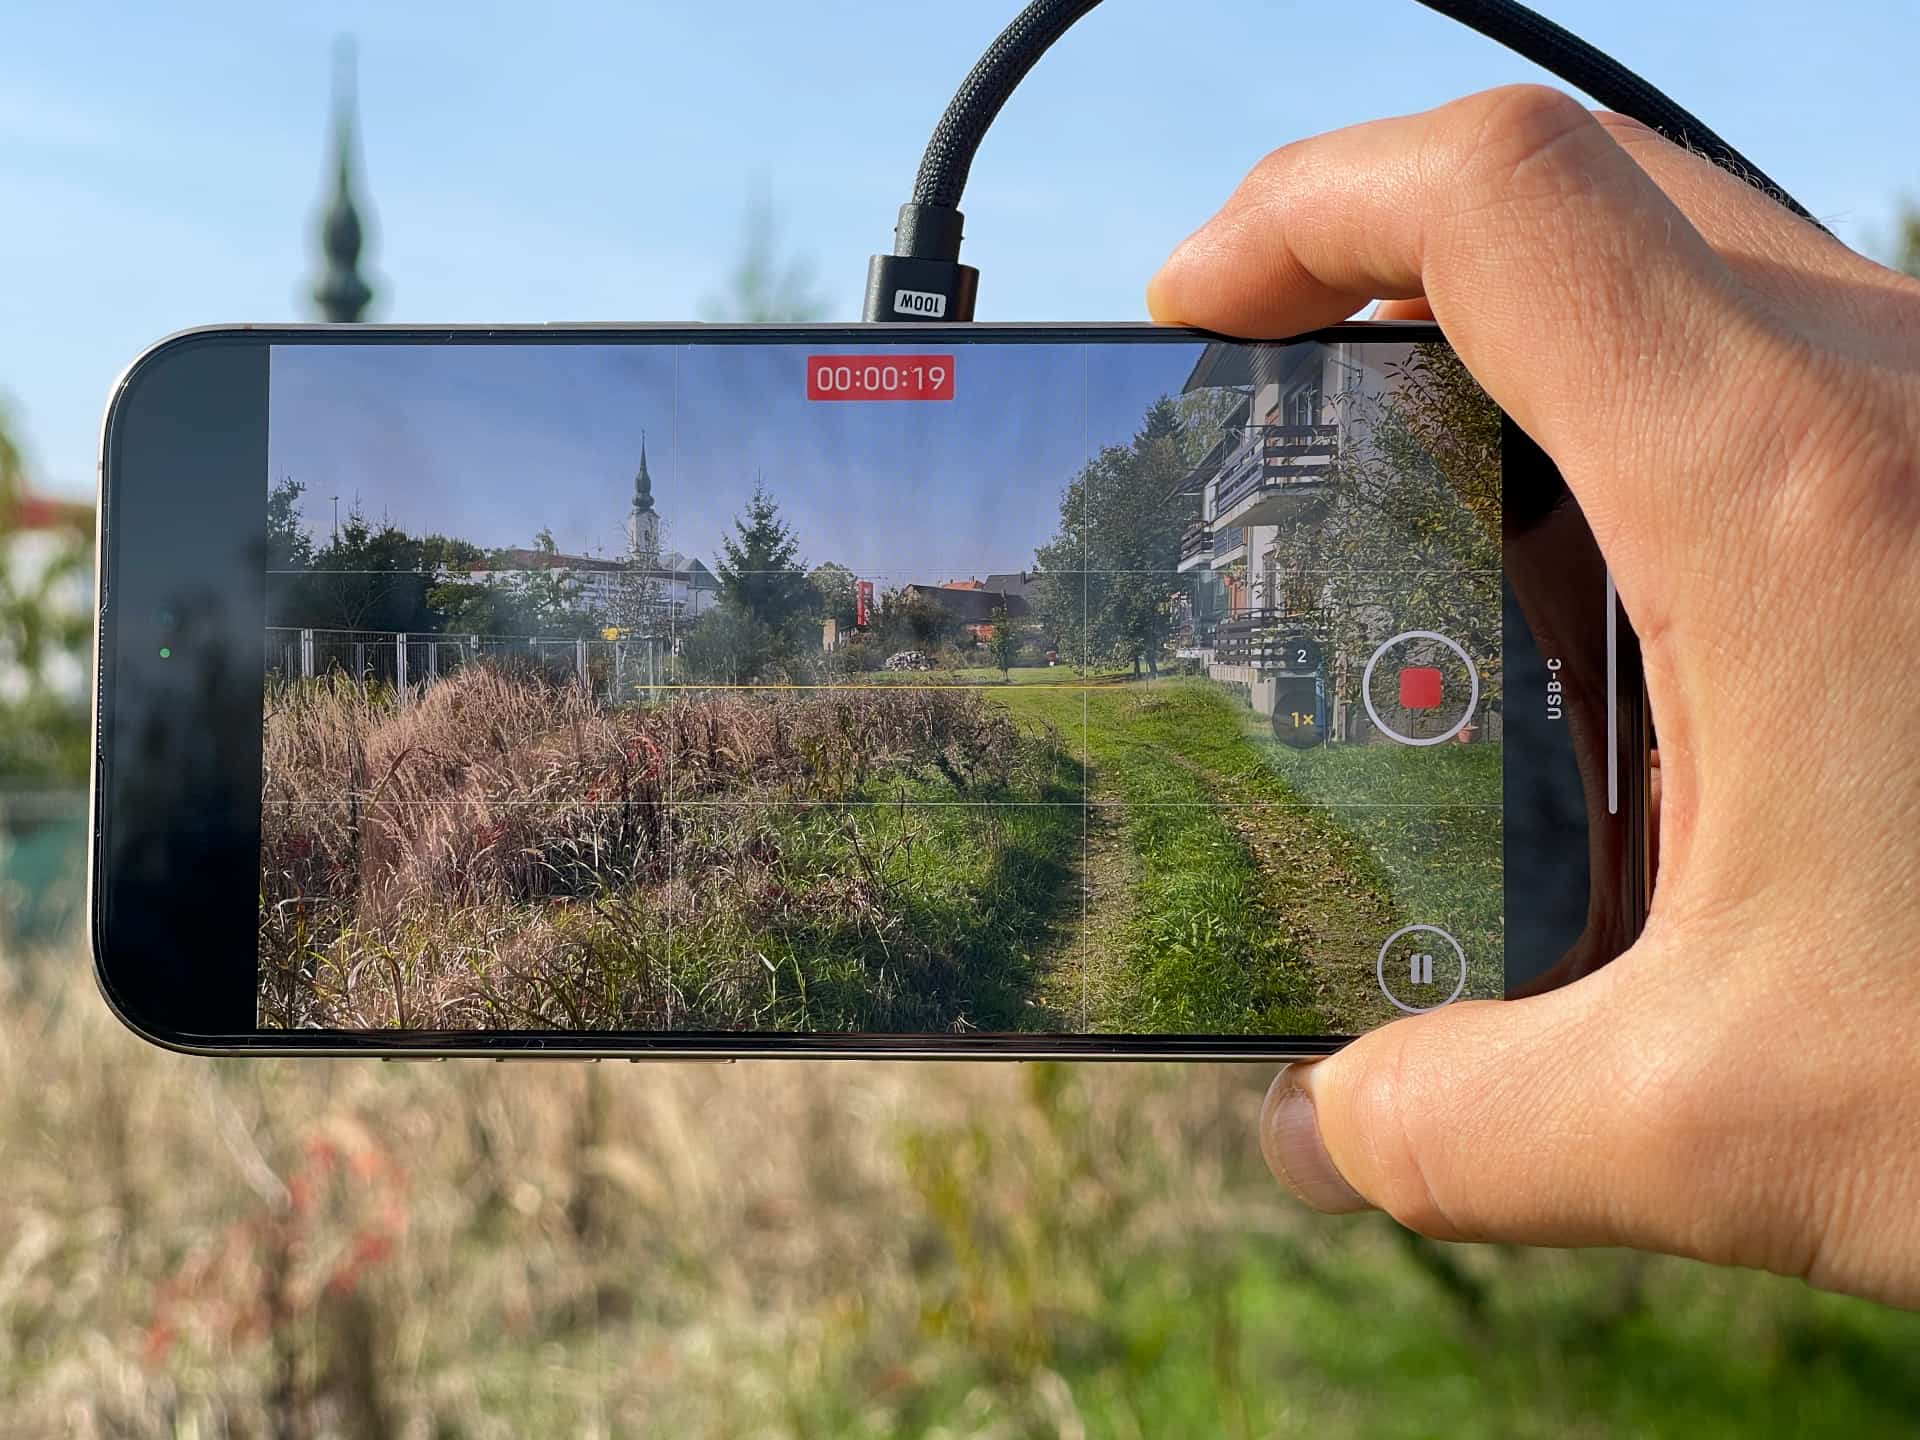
column 342, row 294
column 643, row 482
column 643, row 521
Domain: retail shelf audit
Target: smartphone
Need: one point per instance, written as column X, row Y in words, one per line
column 984, row 690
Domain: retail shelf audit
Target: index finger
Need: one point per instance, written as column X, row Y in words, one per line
column 1569, row 283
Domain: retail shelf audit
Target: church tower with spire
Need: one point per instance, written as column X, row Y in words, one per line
column 342, row 294
column 643, row 521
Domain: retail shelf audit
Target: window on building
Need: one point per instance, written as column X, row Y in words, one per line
column 1302, row 405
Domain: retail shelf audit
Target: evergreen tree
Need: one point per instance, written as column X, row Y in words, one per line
column 368, row 577
column 288, row 545
column 766, row 601
column 761, row 574
column 766, row 285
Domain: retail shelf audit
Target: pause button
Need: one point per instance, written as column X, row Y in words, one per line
column 1406, row 968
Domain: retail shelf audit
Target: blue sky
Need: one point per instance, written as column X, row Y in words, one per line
column 160, row 166
column 493, row 443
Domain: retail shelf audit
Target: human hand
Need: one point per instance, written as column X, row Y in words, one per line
column 1734, row 399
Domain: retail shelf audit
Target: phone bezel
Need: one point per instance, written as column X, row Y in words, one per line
column 113, row 977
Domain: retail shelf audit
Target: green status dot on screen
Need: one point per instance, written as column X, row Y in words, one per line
column 166, row 652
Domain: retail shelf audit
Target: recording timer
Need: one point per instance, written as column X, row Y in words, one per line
column 880, row 377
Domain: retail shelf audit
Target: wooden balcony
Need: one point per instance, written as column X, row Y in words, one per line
column 1229, row 545
column 1196, row 546
column 1274, row 473
column 1256, row 638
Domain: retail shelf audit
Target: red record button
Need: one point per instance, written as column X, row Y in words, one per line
column 880, row 377
column 1420, row 688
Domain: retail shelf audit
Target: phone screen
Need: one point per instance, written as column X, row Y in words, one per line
column 953, row 690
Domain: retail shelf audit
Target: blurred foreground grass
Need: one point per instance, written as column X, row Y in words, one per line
column 307, row 1249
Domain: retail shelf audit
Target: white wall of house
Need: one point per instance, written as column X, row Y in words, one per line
column 597, row 588
column 1348, row 376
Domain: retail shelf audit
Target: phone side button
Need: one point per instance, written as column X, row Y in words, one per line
column 680, row 1059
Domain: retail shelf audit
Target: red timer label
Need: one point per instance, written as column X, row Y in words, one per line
column 880, row 377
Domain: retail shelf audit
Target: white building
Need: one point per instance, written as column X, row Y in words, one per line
column 1269, row 470
column 682, row 588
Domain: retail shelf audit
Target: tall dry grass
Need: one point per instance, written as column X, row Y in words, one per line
column 432, row 864
column 469, row 1250
column 350, row 1250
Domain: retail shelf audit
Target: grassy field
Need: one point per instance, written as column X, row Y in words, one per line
column 1043, row 855
column 472, row 1251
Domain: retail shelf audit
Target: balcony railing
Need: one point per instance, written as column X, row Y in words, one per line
column 1228, row 540
column 1273, row 458
column 1253, row 637
column 1196, row 544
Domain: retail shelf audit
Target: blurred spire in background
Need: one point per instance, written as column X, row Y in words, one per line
column 342, row 293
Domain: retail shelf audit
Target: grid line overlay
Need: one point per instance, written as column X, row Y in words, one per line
column 1086, row 733
column 1105, row 805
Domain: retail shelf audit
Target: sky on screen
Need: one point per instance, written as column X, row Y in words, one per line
column 494, row 443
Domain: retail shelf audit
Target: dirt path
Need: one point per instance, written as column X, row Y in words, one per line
column 1110, row 876
column 1080, row 968
column 1318, row 893
column 1331, row 912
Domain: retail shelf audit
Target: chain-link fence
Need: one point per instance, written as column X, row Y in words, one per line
column 622, row 669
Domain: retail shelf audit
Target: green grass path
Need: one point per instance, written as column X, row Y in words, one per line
column 1242, row 910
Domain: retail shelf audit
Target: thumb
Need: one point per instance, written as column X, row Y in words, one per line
column 1485, row 1120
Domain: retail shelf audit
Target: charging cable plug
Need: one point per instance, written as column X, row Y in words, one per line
column 923, row 280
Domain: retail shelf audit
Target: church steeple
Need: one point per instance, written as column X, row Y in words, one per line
column 643, row 482
column 342, row 294
column 643, row 521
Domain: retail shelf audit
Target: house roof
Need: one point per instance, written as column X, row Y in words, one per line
column 968, row 605
column 1233, row 363
column 517, row 558
column 1013, row 583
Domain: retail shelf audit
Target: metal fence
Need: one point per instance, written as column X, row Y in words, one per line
column 407, row 662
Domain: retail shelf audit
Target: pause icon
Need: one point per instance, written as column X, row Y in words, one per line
column 1420, row 969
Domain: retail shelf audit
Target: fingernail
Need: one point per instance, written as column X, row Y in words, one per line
column 1290, row 1139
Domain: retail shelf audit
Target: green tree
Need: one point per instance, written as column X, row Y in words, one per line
column 908, row 620
column 766, row 598
column 728, row 647
column 473, row 607
column 45, row 626
column 1413, row 525
column 547, row 599
column 443, row 554
column 760, row 570
column 833, row 588
column 1002, row 641
column 1203, row 416
column 1107, row 585
column 368, row 577
column 1906, row 243
column 765, row 285
column 288, row 545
